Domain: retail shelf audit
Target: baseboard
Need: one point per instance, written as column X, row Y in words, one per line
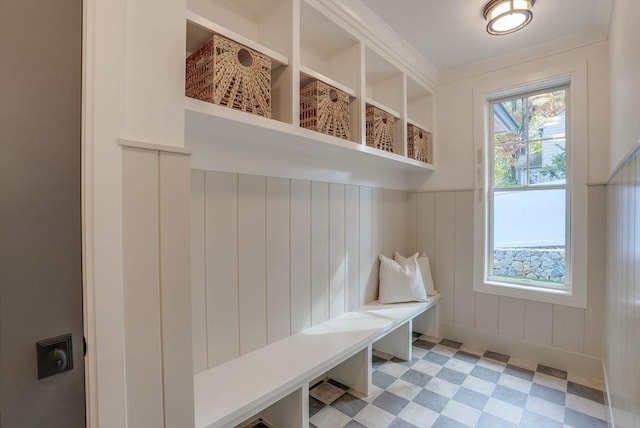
column 578, row 364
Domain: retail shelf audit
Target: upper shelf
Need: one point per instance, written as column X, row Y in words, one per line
column 207, row 122
column 304, row 44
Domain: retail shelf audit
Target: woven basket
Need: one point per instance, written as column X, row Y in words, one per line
column 227, row 73
column 419, row 144
column 325, row 109
column 380, row 129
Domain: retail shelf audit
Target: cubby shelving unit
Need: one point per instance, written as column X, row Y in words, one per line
column 305, row 44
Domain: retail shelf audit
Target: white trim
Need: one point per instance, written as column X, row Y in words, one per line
column 103, row 70
column 153, row 146
column 581, row 365
column 577, row 94
column 88, row 296
column 523, row 56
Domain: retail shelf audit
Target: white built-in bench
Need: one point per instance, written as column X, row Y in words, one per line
column 273, row 382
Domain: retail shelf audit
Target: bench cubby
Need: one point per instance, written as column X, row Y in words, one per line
column 273, row 382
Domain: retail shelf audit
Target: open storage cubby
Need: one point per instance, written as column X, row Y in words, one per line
column 418, row 105
column 419, row 109
column 306, row 41
column 384, row 85
column 289, row 411
column 263, row 26
column 330, row 54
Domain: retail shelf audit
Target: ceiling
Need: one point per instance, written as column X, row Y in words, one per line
column 451, row 33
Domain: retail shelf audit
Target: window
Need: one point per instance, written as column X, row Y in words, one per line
column 527, row 201
column 531, row 183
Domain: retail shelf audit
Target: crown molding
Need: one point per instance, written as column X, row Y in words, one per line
column 573, row 41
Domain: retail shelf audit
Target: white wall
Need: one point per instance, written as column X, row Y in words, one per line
column 562, row 336
column 454, row 114
column 556, row 335
column 624, row 63
column 623, row 282
column 272, row 256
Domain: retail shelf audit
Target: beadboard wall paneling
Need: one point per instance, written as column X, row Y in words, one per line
column 198, row 277
column 319, row 252
column 221, row 265
column 157, row 292
column 337, row 250
column 141, row 268
column 444, row 251
column 464, row 298
column 367, row 260
column 623, row 293
column 444, row 230
column 352, row 245
column 300, row 229
column 278, row 258
column 173, row 179
column 252, row 267
column 378, row 227
column 279, row 255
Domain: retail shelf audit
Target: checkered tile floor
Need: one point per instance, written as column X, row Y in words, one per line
column 448, row 384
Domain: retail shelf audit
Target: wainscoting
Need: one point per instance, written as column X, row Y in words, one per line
column 273, row 256
column 441, row 223
column 623, row 293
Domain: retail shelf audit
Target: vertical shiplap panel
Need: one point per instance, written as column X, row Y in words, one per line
column 300, row 255
column 568, row 328
column 538, row 322
column 445, row 206
column 412, row 222
column 252, row 281
column 464, row 296
column 596, row 275
column 177, row 380
column 487, row 307
column 426, row 226
column 366, row 261
column 511, row 317
column 221, row 230
column 198, row 279
column 352, row 244
column 140, row 270
column 377, row 241
column 319, row 252
column 337, row 260
column 394, row 222
column 278, row 259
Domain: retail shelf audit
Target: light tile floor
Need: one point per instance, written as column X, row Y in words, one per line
column 448, row 384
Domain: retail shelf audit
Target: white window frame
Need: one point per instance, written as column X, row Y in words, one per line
column 575, row 76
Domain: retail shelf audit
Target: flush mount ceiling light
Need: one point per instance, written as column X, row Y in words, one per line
column 507, row 16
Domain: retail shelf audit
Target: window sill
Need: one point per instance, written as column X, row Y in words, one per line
column 545, row 295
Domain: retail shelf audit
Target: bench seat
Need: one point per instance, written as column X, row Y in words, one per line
column 232, row 392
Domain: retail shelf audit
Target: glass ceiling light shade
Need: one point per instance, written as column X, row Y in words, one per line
column 507, row 16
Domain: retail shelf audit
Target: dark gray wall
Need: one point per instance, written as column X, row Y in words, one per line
column 40, row 211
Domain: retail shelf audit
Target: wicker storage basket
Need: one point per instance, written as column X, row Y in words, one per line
column 419, row 144
column 379, row 129
column 227, row 73
column 325, row 109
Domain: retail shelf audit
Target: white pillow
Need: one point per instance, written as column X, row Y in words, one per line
column 400, row 283
column 425, row 269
